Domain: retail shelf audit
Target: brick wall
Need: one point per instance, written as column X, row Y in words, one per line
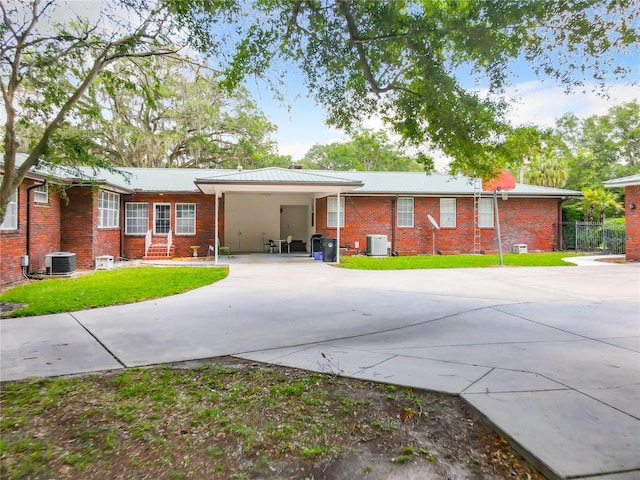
column 529, row 221
column 133, row 245
column 632, row 221
column 13, row 242
column 44, row 234
column 45, row 229
column 73, row 227
column 78, row 224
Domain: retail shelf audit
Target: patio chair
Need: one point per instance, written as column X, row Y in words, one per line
column 289, row 240
column 271, row 246
column 221, row 250
column 224, row 250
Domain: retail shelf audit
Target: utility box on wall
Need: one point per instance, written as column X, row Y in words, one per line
column 104, row 262
column 520, row 248
column 60, row 263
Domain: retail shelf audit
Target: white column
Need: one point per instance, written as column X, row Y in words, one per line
column 215, row 238
column 338, row 231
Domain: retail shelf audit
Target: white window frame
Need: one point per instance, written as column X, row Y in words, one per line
column 185, row 225
column 333, row 213
column 135, row 217
column 11, row 214
column 155, row 218
column 108, row 209
column 405, row 212
column 41, row 194
column 485, row 213
column 448, row 212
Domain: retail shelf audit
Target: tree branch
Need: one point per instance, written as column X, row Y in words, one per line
column 344, row 7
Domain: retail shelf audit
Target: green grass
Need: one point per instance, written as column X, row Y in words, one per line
column 46, row 426
column 226, row 420
column 109, row 287
column 456, row 261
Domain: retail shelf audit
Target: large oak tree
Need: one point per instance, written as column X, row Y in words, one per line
column 411, row 62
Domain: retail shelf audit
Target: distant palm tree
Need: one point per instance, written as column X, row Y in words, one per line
column 547, row 171
column 595, row 202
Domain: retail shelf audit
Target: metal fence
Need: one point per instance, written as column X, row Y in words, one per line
column 591, row 237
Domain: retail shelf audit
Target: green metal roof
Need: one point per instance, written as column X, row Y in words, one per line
column 358, row 182
column 276, row 175
column 629, row 181
column 420, row 183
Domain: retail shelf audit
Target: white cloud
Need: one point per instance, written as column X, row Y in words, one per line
column 296, row 150
column 540, row 103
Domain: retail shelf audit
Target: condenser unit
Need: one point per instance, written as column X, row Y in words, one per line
column 377, row 245
column 60, row 263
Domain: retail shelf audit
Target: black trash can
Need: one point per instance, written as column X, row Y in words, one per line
column 329, row 250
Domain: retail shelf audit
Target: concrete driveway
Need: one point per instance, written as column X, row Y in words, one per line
column 551, row 356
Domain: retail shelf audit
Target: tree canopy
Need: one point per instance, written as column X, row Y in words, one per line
column 411, row 62
column 602, row 147
column 167, row 112
column 416, row 63
column 367, row 150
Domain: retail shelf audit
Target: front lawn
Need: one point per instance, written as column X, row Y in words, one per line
column 108, row 287
column 456, row 261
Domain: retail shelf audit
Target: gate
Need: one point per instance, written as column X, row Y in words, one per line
column 591, row 237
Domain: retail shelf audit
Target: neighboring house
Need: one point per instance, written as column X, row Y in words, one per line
column 631, row 187
column 164, row 212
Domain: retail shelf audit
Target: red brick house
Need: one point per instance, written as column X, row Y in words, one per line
column 631, row 187
column 166, row 212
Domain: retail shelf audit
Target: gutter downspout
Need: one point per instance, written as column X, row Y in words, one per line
column 28, row 232
column 497, row 215
column 394, row 202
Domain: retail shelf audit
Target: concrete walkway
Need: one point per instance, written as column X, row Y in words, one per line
column 551, row 356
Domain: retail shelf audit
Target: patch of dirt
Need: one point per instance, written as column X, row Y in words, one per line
column 7, row 307
column 612, row 260
column 232, row 419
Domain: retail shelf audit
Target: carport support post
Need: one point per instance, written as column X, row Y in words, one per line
column 338, row 230
column 215, row 229
column 495, row 207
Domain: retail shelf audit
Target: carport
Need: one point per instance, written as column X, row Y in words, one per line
column 258, row 204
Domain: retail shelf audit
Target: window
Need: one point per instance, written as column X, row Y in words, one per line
column 333, row 213
column 136, row 218
column 485, row 213
column 185, row 218
column 108, row 210
column 11, row 215
column 405, row 212
column 448, row 212
column 41, row 194
column 161, row 218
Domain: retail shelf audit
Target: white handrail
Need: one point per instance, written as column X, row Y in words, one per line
column 147, row 242
column 169, row 241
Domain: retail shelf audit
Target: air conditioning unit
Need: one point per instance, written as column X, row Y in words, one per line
column 520, row 248
column 60, row 263
column 377, row 245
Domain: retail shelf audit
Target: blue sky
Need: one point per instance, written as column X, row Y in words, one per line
column 535, row 101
